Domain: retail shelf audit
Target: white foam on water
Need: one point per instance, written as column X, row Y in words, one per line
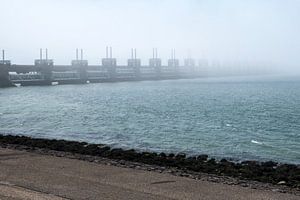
column 256, row 142
column 228, row 125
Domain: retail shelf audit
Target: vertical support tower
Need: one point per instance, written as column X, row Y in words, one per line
column 45, row 67
column 135, row 63
column 155, row 62
column 80, row 65
column 189, row 63
column 173, row 63
column 4, row 71
column 110, row 64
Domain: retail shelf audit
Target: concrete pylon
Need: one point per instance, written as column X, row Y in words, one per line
column 4, row 72
column 110, row 64
column 135, row 63
column 80, row 66
column 155, row 62
column 45, row 67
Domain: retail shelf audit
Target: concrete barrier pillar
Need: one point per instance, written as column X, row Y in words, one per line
column 135, row 64
column 45, row 67
column 80, row 66
column 155, row 62
column 4, row 72
column 189, row 63
column 173, row 63
column 110, row 64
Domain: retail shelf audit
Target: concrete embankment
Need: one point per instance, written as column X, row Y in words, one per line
column 268, row 172
column 34, row 175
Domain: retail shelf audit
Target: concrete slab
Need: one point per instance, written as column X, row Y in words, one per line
column 27, row 175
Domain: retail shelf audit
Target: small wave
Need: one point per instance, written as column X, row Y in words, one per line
column 228, row 125
column 256, row 142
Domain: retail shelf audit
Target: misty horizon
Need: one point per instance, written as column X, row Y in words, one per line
column 219, row 31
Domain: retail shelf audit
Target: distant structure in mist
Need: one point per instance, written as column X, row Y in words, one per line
column 44, row 72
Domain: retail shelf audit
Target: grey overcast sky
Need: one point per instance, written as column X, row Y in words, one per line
column 250, row 30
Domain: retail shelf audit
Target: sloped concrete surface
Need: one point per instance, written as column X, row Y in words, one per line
column 25, row 175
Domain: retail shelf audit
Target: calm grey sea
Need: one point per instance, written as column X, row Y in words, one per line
column 240, row 118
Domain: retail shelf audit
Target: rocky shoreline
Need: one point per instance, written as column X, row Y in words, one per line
column 260, row 175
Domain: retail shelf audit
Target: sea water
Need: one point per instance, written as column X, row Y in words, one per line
column 236, row 117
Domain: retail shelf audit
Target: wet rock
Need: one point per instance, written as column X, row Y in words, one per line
column 211, row 161
column 162, row 155
column 269, row 164
column 131, row 155
column 171, row 155
column 250, row 163
column 117, row 153
column 180, row 156
column 202, row 157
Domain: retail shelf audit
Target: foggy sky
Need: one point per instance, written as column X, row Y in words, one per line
column 250, row 30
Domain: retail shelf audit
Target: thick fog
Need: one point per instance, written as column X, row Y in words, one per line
column 264, row 31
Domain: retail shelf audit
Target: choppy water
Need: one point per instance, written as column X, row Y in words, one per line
column 251, row 118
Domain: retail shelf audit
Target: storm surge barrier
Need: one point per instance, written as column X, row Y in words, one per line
column 44, row 72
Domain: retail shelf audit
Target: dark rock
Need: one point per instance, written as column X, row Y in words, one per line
column 270, row 164
column 180, row 156
column 211, row 161
column 171, row 155
column 162, row 155
column 202, row 157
